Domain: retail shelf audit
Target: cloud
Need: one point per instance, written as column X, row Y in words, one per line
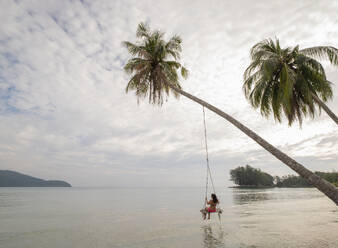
column 64, row 113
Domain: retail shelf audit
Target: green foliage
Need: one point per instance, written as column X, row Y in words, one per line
column 297, row 181
column 154, row 64
column 331, row 177
column 249, row 176
column 284, row 80
column 291, row 181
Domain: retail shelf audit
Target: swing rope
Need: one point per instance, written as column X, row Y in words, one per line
column 203, row 210
column 207, row 158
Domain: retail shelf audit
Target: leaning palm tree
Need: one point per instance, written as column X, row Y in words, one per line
column 154, row 74
column 288, row 80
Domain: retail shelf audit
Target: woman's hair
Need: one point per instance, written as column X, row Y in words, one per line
column 214, row 198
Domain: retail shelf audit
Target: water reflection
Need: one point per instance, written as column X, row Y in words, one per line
column 244, row 196
column 212, row 240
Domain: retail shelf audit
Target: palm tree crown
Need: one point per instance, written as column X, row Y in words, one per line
column 154, row 65
column 289, row 80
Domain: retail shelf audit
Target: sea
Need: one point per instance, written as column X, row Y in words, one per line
column 81, row 217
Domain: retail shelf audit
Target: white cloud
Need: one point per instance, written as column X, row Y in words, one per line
column 64, row 113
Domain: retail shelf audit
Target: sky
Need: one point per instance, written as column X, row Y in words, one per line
column 64, row 113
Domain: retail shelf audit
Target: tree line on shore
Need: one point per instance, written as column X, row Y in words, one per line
column 252, row 177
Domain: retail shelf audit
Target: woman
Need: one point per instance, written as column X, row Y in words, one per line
column 212, row 205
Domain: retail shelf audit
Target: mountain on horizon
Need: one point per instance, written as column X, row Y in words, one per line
column 15, row 179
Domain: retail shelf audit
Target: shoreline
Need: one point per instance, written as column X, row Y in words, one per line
column 265, row 187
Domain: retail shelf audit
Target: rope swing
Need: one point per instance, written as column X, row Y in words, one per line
column 209, row 175
column 207, row 158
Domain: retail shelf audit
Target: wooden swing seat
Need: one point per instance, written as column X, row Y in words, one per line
column 219, row 211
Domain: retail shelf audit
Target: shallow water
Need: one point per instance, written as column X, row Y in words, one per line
column 165, row 217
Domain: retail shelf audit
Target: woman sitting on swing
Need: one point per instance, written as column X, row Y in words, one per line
column 212, row 205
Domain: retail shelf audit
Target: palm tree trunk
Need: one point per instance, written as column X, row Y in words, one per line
column 327, row 188
column 326, row 108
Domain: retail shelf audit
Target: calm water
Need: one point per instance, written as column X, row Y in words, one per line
column 159, row 217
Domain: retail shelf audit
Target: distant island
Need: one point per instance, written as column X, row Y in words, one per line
column 15, row 179
column 249, row 177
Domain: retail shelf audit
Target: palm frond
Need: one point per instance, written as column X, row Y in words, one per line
column 256, row 93
column 184, row 72
column 250, row 80
column 132, row 48
column 174, row 44
column 322, row 52
column 135, row 64
column 287, row 80
column 303, row 60
column 266, row 99
column 276, row 101
column 172, row 63
column 173, row 53
column 143, row 30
